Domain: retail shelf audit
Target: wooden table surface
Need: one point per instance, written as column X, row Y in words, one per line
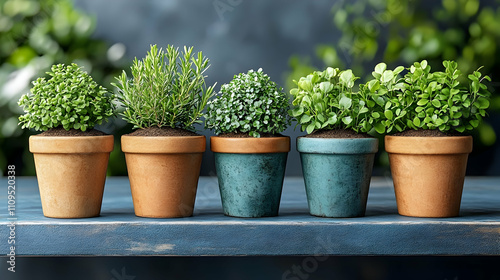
column 118, row 232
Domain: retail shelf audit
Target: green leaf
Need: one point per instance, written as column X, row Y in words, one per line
column 388, row 114
column 436, row 103
column 387, row 76
column 320, row 117
column 482, row 103
column 347, row 120
column 379, row 128
column 398, row 70
column 297, row 111
column 305, row 85
column 305, row 118
column 423, row 64
column 422, row 102
column 416, row 122
column 380, row 68
column 388, row 105
column 306, row 101
column 325, row 87
column 347, row 78
column 474, row 123
column 345, row 103
column 310, row 128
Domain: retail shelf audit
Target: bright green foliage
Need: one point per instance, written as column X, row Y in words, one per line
column 167, row 89
column 250, row 103
column 326, row 100
column 431, row 100
column 404, row 31
column 70, row 98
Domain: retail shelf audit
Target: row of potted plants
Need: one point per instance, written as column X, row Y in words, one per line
column 166, row 95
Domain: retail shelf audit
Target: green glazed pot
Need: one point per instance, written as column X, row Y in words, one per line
column 337, row 174
column 250, row 182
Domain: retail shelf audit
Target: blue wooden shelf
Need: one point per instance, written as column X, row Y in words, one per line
column 118, row 232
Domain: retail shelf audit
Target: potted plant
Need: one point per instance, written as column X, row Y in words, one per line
column 337, row 154
column 429, row 113
column 164, row 99
column 71, row 157
column 250, row 155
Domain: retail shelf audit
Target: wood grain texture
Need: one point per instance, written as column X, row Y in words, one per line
column 118, row 232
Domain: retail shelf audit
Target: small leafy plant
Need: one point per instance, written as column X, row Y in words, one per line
column 326, row 100
column 431, row 100
column 70, row 98
column 250, row 103
column 167, row 89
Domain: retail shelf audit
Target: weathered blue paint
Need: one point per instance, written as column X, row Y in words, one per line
column 250, row 184
column 337, row 174
column 118, row 232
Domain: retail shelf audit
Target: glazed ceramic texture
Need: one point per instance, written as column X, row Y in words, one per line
column 250, row 184
column 250, row 173
column 163, row 173
column 428, row 173
column 71, row 172
column 337, row 174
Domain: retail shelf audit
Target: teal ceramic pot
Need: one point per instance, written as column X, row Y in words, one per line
column 337, row 174
column 250, row 182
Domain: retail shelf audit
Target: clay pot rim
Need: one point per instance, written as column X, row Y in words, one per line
column 337, row 145
column 428, row 145
column 163, row 144
column 71, row 144
column 250, row 145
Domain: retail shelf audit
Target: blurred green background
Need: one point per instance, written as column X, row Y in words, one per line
column 288, row 39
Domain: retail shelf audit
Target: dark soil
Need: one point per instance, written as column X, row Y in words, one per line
column 246, row 135
column 427, row 133
column 60, row 131
column 163, row 131
column 337, row 133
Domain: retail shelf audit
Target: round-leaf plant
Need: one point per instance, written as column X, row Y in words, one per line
column 167, row 89
column 325, row 100
column 70, row 98
column 431, row 100
column 250, row 103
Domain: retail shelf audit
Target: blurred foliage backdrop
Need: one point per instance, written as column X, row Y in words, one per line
column 400, row 32
column 34, row 34
column 37, row 33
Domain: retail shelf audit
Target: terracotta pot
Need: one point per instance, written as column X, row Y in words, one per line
column 428, row 173
column 250, row 173
column 71, row 172
column 163, row 173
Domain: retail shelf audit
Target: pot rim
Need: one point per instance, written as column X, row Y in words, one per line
column 250, row 145
column 337, row 145
column 428, row 145
column 71, row 144
column 163, row 144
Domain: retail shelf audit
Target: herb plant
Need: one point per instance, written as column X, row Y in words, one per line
column 70, row 98
column 250, row 103
column 327, row 100
column 167, row 89
column 431, row 100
